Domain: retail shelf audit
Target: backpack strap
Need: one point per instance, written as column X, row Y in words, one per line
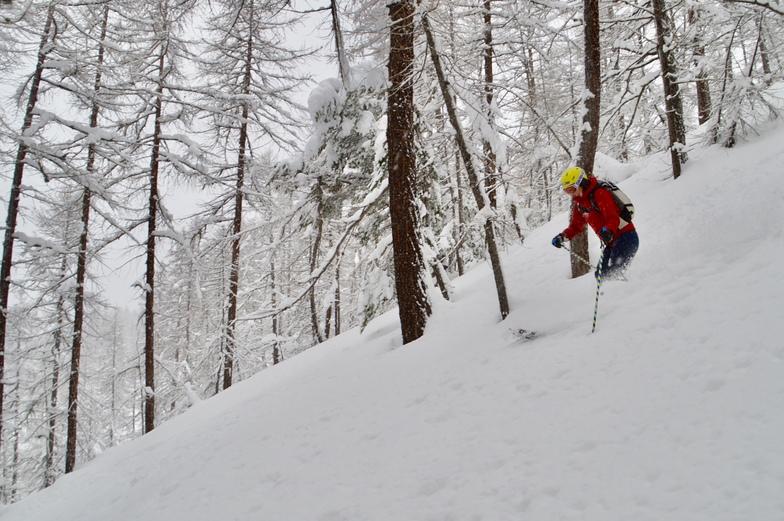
column 602, row 184
column 593, row 206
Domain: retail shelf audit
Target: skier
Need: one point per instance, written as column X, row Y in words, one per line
column 597, row 206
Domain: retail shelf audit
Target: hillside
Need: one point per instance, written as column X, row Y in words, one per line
column 672, row 410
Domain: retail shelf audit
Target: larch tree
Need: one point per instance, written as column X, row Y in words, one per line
column 160, row 112
column 481, row 196
column 48, row 34
column 82, row 252
column 665, row 44
column 588, row 132
column 251, row 75
column 414, row 306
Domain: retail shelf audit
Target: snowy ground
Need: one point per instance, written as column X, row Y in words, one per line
column 672, row 410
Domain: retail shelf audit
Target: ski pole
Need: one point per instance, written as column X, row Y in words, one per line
column 621, row 276
column 598, row 288
column 578, row 257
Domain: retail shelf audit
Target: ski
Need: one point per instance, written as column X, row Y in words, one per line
column 524, row 334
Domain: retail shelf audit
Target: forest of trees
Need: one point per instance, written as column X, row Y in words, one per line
column 438, row 143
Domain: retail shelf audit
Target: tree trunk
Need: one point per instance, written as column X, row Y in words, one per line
column 765, row 56
column 414, row 306
column 276, row 351
column 57, row 347
column 13, row 199
column 234, row 274
column 490, row 157
column 337, row 304
column 701, row 82
column 76, row 346
column 460, row 217
column 318, row 336
column 672, row 93
column 473, row 178
column 343, row 67
column 152, row 218
column 589, row 130
column 457, row 188
column 81, row 271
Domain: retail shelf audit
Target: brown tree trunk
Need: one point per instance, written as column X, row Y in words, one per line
column 701, row 83
column 234, row 273
column 490, row 158
column 414, row 306
column 57, row 347
column 314, row 255
column 76, row 347
column 337, row 304
column 589, row 131
column 340, row 49
column 81, row 273
column 672, row 94
column 149, row 301
column 13, row 199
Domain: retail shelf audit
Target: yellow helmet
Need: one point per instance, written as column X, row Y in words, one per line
column 573, row 176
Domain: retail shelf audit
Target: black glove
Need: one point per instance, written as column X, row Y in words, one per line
column 558, row 240
column 606, row 236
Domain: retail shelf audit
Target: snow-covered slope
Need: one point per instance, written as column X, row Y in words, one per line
column 672, row 410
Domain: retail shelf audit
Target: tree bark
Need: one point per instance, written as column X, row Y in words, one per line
column 701, row 82
column 589, row 130
column 76, row 346
column 672, row 93
column 343, row 67
column 318, row 193
column 277, row 355
column 234, row 274
column 414, row 306
column 338, row 310
column 58, row 342
column 81, row 271
column 149, row 301
column 490, row 157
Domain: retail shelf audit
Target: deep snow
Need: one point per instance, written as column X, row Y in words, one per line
column 672, row 410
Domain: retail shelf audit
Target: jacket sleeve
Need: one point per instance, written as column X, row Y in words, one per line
column 576, row 225
column 609, row 209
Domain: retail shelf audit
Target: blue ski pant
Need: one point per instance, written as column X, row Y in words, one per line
column 619, row 256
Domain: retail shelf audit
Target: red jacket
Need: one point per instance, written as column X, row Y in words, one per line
column 607, row 216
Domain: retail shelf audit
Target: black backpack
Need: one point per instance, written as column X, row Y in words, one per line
column 622, row 200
